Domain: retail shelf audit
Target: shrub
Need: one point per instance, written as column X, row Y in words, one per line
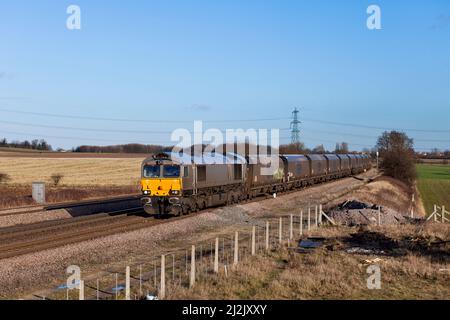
column 4, row 177
column 56, row 178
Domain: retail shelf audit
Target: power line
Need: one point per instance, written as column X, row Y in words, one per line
column 54, row 115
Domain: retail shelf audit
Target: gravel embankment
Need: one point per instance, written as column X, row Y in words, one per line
column 32, row 217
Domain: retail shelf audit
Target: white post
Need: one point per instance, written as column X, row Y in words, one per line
column 301, row 222
column 236, row 248
column 434, row 213
column 253, row 241
column 98, row 290
column 192, row 278
column 280, row 231
column 443, row 214
column 127, row 283
column 320, row 214
column 267, row 235
column 291, row 235
column 412, row 206
column 81, row 290
column 162, row 293
column 216, row 257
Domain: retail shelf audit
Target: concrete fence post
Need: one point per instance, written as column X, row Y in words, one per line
column 127, row 283
column 280, row 230
column 443, row 214
column 162, row 293
column 216, row 256
column 236, row 248
column 192, row 278
column 253, row 241
column 291, row 235
column 301, row 223
column 267, row 235
column 81, row 290
column 434, row 213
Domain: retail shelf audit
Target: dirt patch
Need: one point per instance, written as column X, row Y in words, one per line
column 355, row 213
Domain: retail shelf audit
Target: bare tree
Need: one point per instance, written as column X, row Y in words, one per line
column 56, row 178
column 397, row 156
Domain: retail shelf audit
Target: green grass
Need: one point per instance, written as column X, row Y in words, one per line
column 434, row 185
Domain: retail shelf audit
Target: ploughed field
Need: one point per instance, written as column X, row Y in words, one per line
column 82, row 177
column 434, row 185
column 75, row 171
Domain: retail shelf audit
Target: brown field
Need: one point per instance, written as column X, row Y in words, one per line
column 89, row 171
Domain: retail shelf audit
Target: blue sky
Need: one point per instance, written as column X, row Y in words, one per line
column 212, row 60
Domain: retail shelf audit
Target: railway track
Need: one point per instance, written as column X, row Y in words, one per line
column 20, row 240
column 23, row 239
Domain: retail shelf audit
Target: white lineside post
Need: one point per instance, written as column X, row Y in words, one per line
column 192, row 277
column 412, row 206
column 435, row 213
column 81, row 297
column 316, row 214
column 127, row 283
column 291, row 235
column 309, row 219
column 301, row 222
column 443, row 214
column 253, row 241
column 280, row 230
column 216, row 256
column 162, row 292
column 267, row 235
column 236, row 248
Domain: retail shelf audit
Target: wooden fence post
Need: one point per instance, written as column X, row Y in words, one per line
column 309, row 219
column 216, row 257
column 236, row 248
column 316, row 212
column 127, row 283
column 81, row 290
column 267, row 235
column 280, row 230
column 379, row 216
column 253, row 241
column 192, row 278
column 291, row 235
column 301, row 222
column 162, row 293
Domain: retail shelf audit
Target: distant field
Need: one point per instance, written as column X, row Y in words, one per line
column 76, row 171
column 434, row 185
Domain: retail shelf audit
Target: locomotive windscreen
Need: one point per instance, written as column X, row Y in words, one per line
column 170, row 171
column 152, row 171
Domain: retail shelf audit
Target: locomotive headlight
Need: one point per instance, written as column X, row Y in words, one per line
column 174, row 192
column 146, row 192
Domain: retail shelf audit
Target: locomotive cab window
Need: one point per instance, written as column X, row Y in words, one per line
column 152, row 171
column 170, row 171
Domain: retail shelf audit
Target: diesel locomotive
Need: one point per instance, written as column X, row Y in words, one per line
column 183, row 183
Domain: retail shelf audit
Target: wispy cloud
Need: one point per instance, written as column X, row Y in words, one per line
column 441, row 21
column 200, row 107
column 6, row 75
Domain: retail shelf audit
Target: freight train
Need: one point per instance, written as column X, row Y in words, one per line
column 182, row 183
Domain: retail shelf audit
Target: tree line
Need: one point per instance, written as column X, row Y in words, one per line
column 32, row 145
